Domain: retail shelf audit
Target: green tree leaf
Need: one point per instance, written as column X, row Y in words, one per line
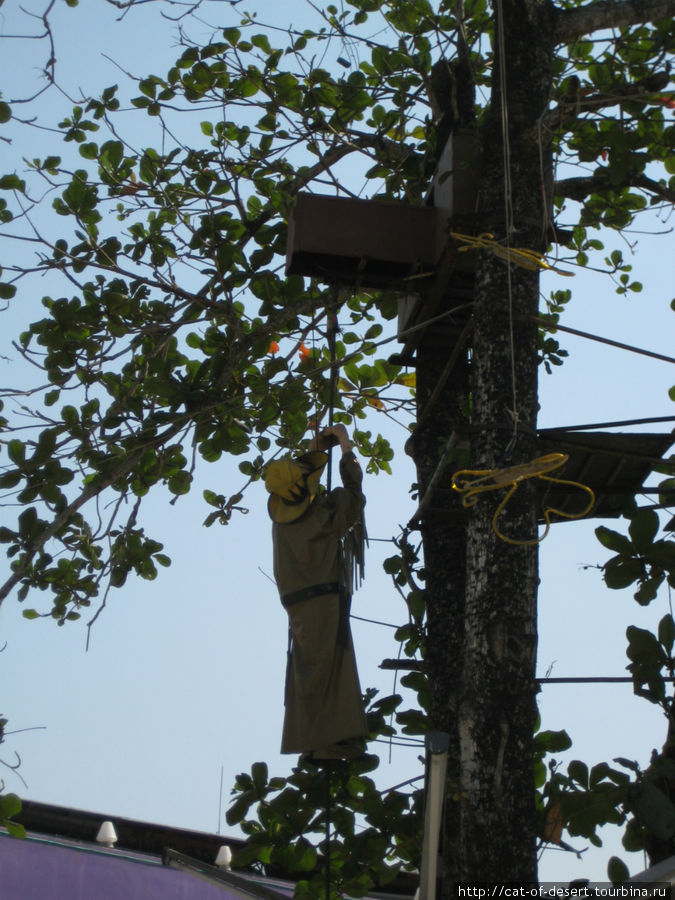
column 617, row 870
column 643, row 528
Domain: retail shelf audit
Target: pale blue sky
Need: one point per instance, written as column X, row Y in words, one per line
column 184, row 675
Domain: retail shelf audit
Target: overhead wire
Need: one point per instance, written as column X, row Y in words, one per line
column 623, row 423
column 449, row 312
column 603, row 340
column 416, row 666
column 401, row 741
column 373, row 621
column 596, row 679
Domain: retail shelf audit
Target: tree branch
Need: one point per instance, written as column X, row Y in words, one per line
column 571, row 107
column 63, row 518
column 582, row 187
column 396, row 150
column 574, row 23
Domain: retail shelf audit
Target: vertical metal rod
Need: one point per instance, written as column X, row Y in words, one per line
column 220, row 800
column 437, row 743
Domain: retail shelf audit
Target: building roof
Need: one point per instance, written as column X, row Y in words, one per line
column 61, row 859
column 134, row 835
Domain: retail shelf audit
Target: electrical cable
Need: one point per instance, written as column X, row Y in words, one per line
column 596, row 337
column 373, row 621
column 619, row 424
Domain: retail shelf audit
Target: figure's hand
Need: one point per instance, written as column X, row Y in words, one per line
column 330, row 437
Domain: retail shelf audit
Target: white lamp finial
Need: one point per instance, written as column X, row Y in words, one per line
column 224, row 857
column 107, row 834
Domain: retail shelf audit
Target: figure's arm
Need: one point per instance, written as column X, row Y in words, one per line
column 351, row 495
column 349, row 499
column 350, row 470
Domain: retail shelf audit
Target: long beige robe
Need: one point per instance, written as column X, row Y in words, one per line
column 323, row 694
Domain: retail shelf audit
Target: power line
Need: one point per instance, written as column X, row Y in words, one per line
column 603, row 340
column 373, row 621
column 624, row 423
column 414, row 665
column 599, row 679
column 401, row 741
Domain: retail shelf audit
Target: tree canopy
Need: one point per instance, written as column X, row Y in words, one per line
column 172, row 337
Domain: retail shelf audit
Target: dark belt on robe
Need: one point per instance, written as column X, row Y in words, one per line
column 318, row 590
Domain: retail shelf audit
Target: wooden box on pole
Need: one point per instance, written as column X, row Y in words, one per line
column 365, row 243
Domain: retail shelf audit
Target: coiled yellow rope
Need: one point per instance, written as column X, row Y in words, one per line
column 473, row 482
column 520, row 256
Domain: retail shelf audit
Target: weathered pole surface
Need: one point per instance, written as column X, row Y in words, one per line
column 481, row 591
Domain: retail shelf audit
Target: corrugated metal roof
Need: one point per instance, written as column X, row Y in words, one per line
column 614, row 465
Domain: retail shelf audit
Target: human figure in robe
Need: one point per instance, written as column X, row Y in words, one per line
column 324, row 715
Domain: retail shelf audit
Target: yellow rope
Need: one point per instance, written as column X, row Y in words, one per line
column 520, row 256
column 484, row 480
